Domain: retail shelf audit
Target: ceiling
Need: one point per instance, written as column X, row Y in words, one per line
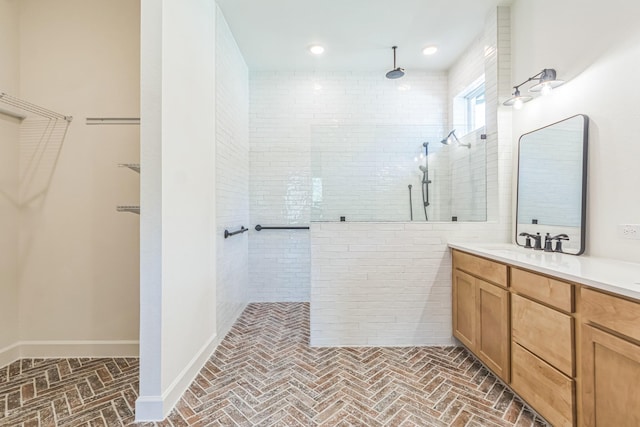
column 357, row 34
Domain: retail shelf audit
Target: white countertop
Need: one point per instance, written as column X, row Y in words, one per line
column 622, row 278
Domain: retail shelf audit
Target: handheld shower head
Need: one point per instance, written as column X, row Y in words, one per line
column 423, row 168
column 425, row 144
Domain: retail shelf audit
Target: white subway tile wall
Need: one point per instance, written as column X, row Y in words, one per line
column 284, row 106
column 385, row 284
column 499, row 65
column 232, row 177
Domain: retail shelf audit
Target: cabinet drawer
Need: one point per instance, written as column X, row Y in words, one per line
column 550, row 291
column 611, row 312
column 545, row 332
column 480, row 267
column 546, row 389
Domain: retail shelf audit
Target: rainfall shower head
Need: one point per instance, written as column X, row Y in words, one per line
column 397, row 72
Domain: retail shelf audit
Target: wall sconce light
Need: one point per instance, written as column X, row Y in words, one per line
column 451, row 138
column 546, row 81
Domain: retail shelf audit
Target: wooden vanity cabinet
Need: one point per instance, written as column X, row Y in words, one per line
column 571, row 352
column 481, row 310
column 610, row 368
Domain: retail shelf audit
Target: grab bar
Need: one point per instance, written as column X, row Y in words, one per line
column 260, row 227
column 228, row 233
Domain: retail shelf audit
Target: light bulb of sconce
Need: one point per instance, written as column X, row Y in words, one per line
column 546, row 89
column 517, row 104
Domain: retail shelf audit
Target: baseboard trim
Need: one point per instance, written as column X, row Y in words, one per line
column 148, row 408
column 157, row 408
column 9, row 354
column 65, row 349
column 53, row 349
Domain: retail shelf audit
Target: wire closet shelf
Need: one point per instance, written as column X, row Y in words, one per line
column 20, row 104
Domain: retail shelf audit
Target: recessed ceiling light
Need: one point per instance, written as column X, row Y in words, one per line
column 316, row 49
column 430, row 50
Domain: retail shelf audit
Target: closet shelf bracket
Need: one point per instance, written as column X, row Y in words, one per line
column 133, row 166
column 129, row 208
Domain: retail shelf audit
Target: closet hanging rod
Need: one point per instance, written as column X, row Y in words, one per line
column 32, row 108
column 228, row 233
column 12, row 114
column 113, row 120
column 129, row 208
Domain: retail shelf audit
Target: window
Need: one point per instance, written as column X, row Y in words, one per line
column 469, row 108
column 475, row 108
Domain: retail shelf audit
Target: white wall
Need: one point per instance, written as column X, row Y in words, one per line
column 283, row 108
column 77, row 257
column 595, row 47
column 184, row 123
column 9, row 212
column 232, row 177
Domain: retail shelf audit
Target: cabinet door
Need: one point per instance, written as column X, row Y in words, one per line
column 610, row 380
column 493, row 328
column 464, row 308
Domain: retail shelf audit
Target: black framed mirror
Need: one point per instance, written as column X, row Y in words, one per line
column 552, row 187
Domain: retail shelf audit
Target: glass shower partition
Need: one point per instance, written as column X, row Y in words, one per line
column 396, row 173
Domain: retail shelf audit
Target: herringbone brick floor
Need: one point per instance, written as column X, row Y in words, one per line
column 68, row 392
column 265, row 374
